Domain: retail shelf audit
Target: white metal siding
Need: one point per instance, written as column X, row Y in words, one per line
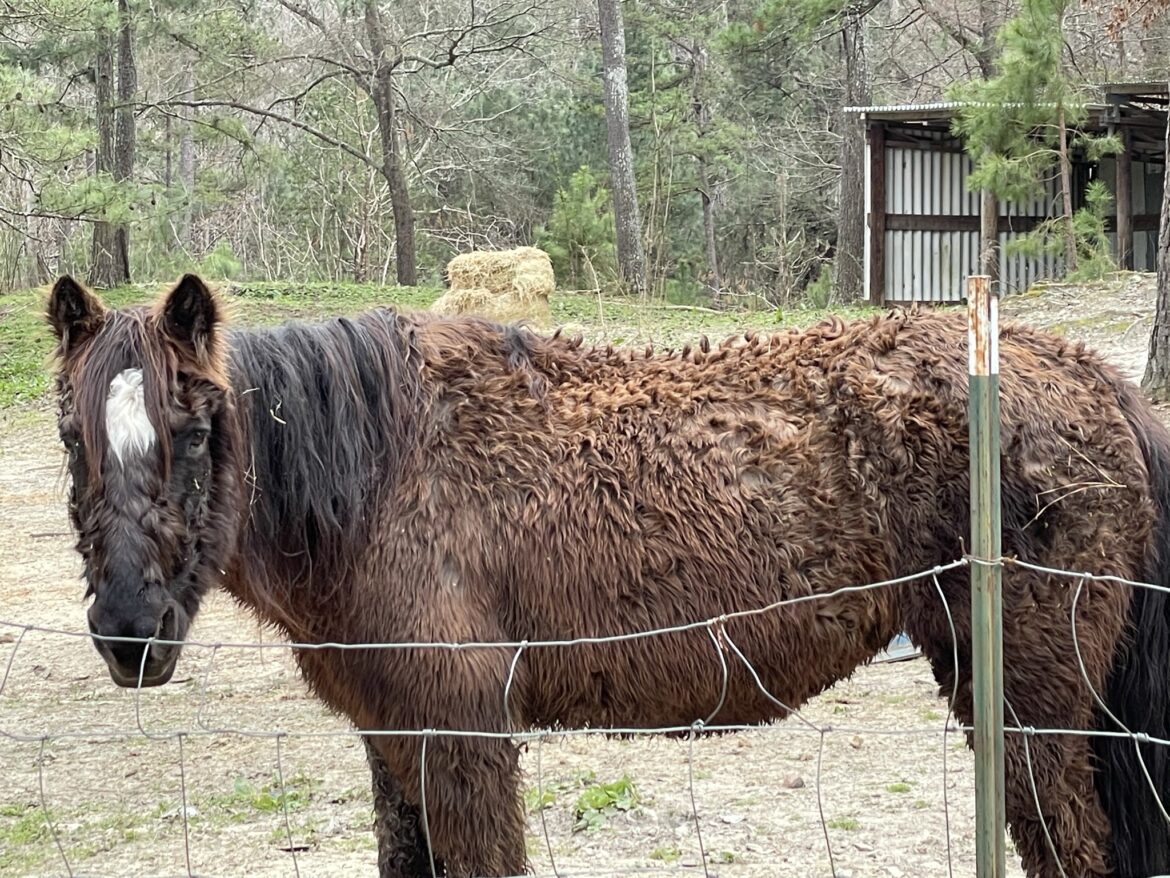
column 933, row 265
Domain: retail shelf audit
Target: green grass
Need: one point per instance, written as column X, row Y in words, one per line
column 26, row 842
column 26, row 343
column 246, row 800
column 898, row 788
column 24, row 835
column 847, row 823
column 666, row 854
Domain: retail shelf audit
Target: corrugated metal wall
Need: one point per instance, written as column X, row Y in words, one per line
column 931, row 266
column 1016, row 271
column 927, row 265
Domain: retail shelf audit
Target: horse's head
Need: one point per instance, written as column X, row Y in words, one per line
column 147, row 419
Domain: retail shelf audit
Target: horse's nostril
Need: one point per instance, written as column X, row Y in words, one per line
column 128, row 654
column 167, row 625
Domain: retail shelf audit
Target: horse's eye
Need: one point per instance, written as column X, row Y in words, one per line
column 197, row 443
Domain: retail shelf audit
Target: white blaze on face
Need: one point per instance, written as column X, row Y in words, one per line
column 127, row 427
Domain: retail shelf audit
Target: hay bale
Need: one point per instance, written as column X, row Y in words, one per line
column 485, row 303
column 499, row 284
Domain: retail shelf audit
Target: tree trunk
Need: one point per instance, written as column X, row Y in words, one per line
column 1070, row 236
column 105, row 267
column 989, row 235
column 988, row 203
column 385, row 104
column 707, row 196
column 184, row 228
column 110, row 255
column 1156, row 380
column 850, row 253
column 627, row 220
column 701, row 108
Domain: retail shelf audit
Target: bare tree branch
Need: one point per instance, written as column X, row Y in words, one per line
column 302, row 11
column 279, row 117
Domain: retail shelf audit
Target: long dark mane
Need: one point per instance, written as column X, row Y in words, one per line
column 328, row 411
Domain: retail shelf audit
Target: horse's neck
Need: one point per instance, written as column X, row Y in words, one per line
column 325, row 414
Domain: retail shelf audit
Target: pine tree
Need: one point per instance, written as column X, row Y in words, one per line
column 1018, row 126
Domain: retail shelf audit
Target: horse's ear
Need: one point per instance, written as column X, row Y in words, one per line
column 74, row 312
column 191, row 316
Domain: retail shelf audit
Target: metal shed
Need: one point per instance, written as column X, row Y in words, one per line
column 923, row 225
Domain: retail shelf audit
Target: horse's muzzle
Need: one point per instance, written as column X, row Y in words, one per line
column 138, row 661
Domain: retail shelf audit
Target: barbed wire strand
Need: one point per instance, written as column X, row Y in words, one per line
column 821, row 806
column 946, row 722
column 694, row 805
column 45, row 808
column 12, row 658
column 458, row 646
column 183, row 807
column 540, row 804
column 422, row 795
column 292, row 847
column 199, row 721
column 1036, row 793
column 1101, row 703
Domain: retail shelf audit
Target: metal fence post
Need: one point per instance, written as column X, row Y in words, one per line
column 986, row 576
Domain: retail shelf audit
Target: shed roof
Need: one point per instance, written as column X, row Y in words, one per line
column 936, row 111
column 1144, row 89
column 944, row 110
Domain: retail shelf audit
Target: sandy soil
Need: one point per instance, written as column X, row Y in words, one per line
column 114, row 778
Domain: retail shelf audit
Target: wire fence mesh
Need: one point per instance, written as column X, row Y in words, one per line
column 81, row 753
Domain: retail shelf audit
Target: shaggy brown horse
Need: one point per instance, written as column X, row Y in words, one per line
column 421, row 479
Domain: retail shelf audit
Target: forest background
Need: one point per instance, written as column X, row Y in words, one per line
column 686, row 150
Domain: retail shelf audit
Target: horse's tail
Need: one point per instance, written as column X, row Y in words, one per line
column 1136, row 796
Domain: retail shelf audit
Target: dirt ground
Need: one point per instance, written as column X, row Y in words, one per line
column 115, row 779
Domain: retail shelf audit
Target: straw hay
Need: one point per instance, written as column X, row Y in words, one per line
column 501, row 285
column 484, row 303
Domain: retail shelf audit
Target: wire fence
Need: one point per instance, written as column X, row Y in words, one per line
column 184, row 731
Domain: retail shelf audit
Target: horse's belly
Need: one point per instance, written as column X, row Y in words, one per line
column 741, row 671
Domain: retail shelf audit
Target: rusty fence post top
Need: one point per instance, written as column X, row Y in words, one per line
column 982, row 326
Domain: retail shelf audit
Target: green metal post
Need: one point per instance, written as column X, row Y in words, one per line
column 986, row 576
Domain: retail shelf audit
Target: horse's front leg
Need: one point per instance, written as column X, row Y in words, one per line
column 464, row 779
column 402, row 851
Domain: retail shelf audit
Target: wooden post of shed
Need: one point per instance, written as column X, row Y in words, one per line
column 877, row 213
column 1124, row 198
